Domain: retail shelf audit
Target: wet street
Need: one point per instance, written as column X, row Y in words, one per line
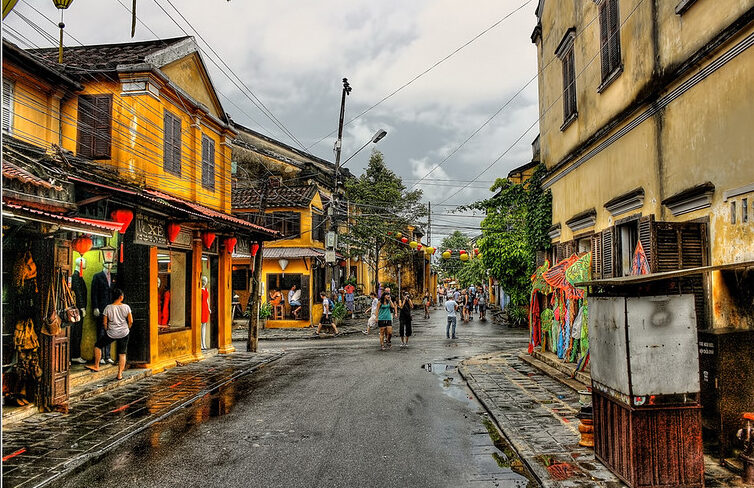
column 332, row 412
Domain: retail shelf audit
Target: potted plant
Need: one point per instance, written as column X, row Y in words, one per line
column 265, row 312
column 338, row 313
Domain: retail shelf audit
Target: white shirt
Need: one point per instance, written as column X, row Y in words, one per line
column 450, row 307
column 375, row 304
column 326, row 306
column 117, row 320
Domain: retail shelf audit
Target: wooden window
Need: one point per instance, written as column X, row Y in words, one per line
column 287, row 223
column 172, row 146
column 732, row 212
column 597, row 255
column 8, row 88
column 95, row 126
column 609, row 39
column 607, row 253
column 565, row 53
column 744, row 210
column 626, row 238
column 208, row 163
column 318, row 227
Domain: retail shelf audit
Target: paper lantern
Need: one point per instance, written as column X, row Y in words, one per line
column 464, row 257
column 124, row 217
column 462, row 251
column 404, row 240
column 419, row 247
column 413, row 244
column 173, row 231
column 476, row 251
column 446, row 255
column 398, row 235
column 342, row 263
column 429, row 250
column 208, row 238
column 389, row 232
column 230, row 244
column 254, row 249
column 82, row 244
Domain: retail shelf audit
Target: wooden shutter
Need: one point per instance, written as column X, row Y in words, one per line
column 604, row 36
column 103, row 119
column 540, row 258
column 597, row 255
column 614, row 41
column 607, row 253
column 648, row 240
column 86, row 123
column 7, row 106
column 572, row 82
column 172, row 144
column 559, row 249
column 208, row 162
column 693, row 244
column 668, row 252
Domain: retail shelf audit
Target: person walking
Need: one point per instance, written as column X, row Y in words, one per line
column 462, row 304
column 426, row 301
column 372, row 311
column 482, row 303
column 405, row 318
column 350, row 298
column 385, row 320
column 326, row 314
column 451, row 307
column 117, row 321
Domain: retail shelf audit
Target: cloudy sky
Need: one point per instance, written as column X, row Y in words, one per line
column 292, row 55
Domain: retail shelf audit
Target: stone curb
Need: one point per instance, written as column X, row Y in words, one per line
column 83, row 461
column 524, row 453
column 299, row 337
column 554, row 373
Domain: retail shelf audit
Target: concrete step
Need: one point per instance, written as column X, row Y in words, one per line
column 575, row 383
column 568, row 369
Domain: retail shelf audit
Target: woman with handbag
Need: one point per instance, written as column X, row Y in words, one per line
column 117, row 320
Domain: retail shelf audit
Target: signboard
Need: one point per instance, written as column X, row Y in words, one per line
column 331, row 240
column 150, row 231
column 330, row 256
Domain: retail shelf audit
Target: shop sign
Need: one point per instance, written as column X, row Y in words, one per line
column 242, row 248
column 150, row 231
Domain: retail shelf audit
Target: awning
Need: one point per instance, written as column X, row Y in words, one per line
column 292, row 252
column 88, row 226
column 679, row 273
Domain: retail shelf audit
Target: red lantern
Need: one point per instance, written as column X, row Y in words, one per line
column 390, row 232
column 230, row 244
column 208, row 238
column 404, row 240
column 462, row 251
column 342, row 263
column 254, row 249
column 82, row 244
column 124, row 217
column 476, row 251
column 419, row 247
column 173, row 231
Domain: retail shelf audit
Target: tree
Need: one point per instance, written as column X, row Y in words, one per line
column 382, row 205
column 516, row 225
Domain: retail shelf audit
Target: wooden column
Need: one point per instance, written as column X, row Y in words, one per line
column 224, row 299
column 196, row 302
column 154, row 340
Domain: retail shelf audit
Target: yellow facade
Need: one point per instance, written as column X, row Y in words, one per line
column 677, row 117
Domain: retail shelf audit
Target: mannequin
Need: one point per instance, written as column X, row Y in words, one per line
column 205, row 310
column 79, row 289
column 102, row 288
column 163, row 307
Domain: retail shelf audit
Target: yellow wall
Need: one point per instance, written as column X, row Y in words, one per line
column 295, row 266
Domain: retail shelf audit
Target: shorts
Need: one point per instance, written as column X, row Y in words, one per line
column 325, row 320
column 106, row 340
column 350, row 305
column 294, row 303
column 482, row 307
column 385, row 323
column 405, row 328
column 372, row 322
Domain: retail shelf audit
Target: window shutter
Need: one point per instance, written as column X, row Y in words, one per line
column 614, row 42
column 604, row 37
column 102, row 119
column 597, row 255
column 668, row 255
column 648, row 240
column 693, row 244
column 572, row 81
column 172, row 144
column 607, row 253
column 177, row 145
column 86, row 125
column 559, row 248
column 208, row 162
column 7, row 106
column 566, row 101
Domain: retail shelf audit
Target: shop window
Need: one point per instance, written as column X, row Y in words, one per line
column 208, row 163
column 283, row 283
column 172, row 144
column 95, row 126
column 8, row 88
column 174, row 285
column 287, row 223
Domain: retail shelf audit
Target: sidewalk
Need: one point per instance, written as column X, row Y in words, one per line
column 48, row 446
column 534, row 404
column 350, row 326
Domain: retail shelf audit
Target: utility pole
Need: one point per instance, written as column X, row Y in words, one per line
column 253, row 341
column 330, row 272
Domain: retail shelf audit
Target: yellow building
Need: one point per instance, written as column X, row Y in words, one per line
column 647, row 137
column 145, row 141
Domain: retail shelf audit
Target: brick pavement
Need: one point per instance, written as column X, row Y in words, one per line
column 47, row 446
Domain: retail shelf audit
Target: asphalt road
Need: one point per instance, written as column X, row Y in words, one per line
column 332, row 413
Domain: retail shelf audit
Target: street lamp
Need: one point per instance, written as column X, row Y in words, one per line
column 374, row 140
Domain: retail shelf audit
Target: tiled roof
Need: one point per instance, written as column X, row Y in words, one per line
column 13, row 172
column 71, row 223
column 283, row 196
column 104, row 57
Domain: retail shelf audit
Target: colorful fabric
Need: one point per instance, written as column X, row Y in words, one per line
column 535, row 324
column 639, row 263
column 538, row 282
column 584, row 340
column 555, row 276
column 579, row 271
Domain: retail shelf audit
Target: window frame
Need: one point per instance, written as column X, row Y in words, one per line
column 565, row 52
column 283, row 222
column 95, row 114
column 611, row 64
column 172, row 153
column 208, row 163
column 8, row 105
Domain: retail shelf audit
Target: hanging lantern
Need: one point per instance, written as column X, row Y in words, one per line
column 464, row 257
column 434, row 250
column 82, row 244
column 230, row 245
column 390, row 232
column 173, row 231
column 61, row 5
column 108, row 254
column 419, row 247
column 254, row 249
column 342, row 263
column 462, row 251
column 404, row 240
column 413, row 244
column 124, row 217
column 398, row 235
column 446, row 255
column 208, row 238
column 429, row 250
column 476, row 251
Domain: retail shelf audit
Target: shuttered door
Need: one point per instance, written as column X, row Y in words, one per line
column 306, row 298
column 597, row 255
column 607, row 253
column 133, row 278
column 648, row 241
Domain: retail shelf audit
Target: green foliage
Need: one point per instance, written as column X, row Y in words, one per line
column 516, row 225
column 454, row 242
column 339, row 311
column 383, row 205
column 472, row 272
column 265, row 311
